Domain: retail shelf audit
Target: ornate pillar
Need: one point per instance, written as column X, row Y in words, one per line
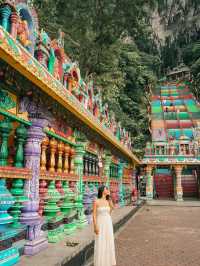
column 149, row 183
column 30, row 216
column 78, row 163
column 21, row 135
column 5, row 129
column 60, row 158
column 120, row 176
column 66, row 158
column 107, row 163
column 43, row 161
column 53, row 147
column 5, row 12
column 9, row 253
column 80, row 151
column 178, row 189
column 72, row 154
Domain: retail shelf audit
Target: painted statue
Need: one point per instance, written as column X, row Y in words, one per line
column 23, row 33
column 51, row 62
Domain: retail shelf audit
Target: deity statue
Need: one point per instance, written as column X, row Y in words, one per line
column 91, row 95
column 51, row 62
column 113, row 123
column 118, row 131
column 61, row 42
column 23, row 33
column 44, row 38
column 56, row 70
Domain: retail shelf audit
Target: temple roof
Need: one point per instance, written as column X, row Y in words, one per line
column 179, row 69
column 20, row 59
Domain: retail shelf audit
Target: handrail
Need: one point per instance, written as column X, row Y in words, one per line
column 14, row 117
column 56, row 136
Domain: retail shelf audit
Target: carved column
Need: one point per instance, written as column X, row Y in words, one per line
column 178, row 189
column 14, row 23
column 21, row 135
column 78, row 161
column 5, row 129
column 107, row 163
column 149, row 182
column 5, row 12
column 66, row 158
column 30, row 216
column 72, row 154
column 60, row 154
column 120, row 176
column 53, row 148
column 43, row 161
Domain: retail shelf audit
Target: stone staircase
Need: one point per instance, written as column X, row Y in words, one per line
column 163, row 184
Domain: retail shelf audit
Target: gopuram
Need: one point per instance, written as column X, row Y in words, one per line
column 172, row 159
column 59, row 142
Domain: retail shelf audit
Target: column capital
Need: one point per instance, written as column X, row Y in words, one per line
column 149, row 168
column 178, row 168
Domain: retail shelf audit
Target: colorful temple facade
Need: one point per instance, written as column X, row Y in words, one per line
column 172, row 159
column 59, row 142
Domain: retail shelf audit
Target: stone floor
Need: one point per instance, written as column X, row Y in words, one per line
column 160, row 236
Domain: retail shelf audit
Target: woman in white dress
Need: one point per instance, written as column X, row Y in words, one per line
column 104, row 249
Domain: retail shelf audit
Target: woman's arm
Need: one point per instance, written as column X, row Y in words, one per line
column 96, row 230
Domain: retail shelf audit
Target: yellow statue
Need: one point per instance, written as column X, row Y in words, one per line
column 23, row 33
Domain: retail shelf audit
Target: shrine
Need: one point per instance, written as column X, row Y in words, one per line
column 59, row 141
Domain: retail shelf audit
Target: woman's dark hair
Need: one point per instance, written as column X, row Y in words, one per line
column 100, row 191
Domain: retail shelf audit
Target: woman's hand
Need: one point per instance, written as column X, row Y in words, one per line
column 96, row 230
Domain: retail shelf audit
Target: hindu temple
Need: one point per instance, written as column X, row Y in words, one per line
column 172, row 158
column 59, row 141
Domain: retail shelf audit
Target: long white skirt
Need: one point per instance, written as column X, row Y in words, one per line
column 104, row 250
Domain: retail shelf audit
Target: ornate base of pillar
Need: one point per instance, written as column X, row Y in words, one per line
column 30, row 217
column 149, row 195
column 35, row 246
column 179, row 194
column 70, row 228
column 56, row 234
column 82, row 222
column 179, row 197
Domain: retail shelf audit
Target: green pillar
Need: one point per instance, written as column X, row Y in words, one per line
column 107, row 163
column 5, row 129
column 78, row 163
column 120, row 176
column 21, row 135
column 53, row 214
column 17, row 191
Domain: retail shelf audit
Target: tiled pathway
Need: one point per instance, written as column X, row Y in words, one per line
column 160, row 236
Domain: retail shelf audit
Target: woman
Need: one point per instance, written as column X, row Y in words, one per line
column 104, row 250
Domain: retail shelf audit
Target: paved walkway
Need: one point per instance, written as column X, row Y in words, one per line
column 59, row 254
column 160, row 236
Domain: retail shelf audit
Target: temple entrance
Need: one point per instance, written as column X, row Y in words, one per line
column 163, row 184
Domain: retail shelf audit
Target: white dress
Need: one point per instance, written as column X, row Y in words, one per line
column 104, row 248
